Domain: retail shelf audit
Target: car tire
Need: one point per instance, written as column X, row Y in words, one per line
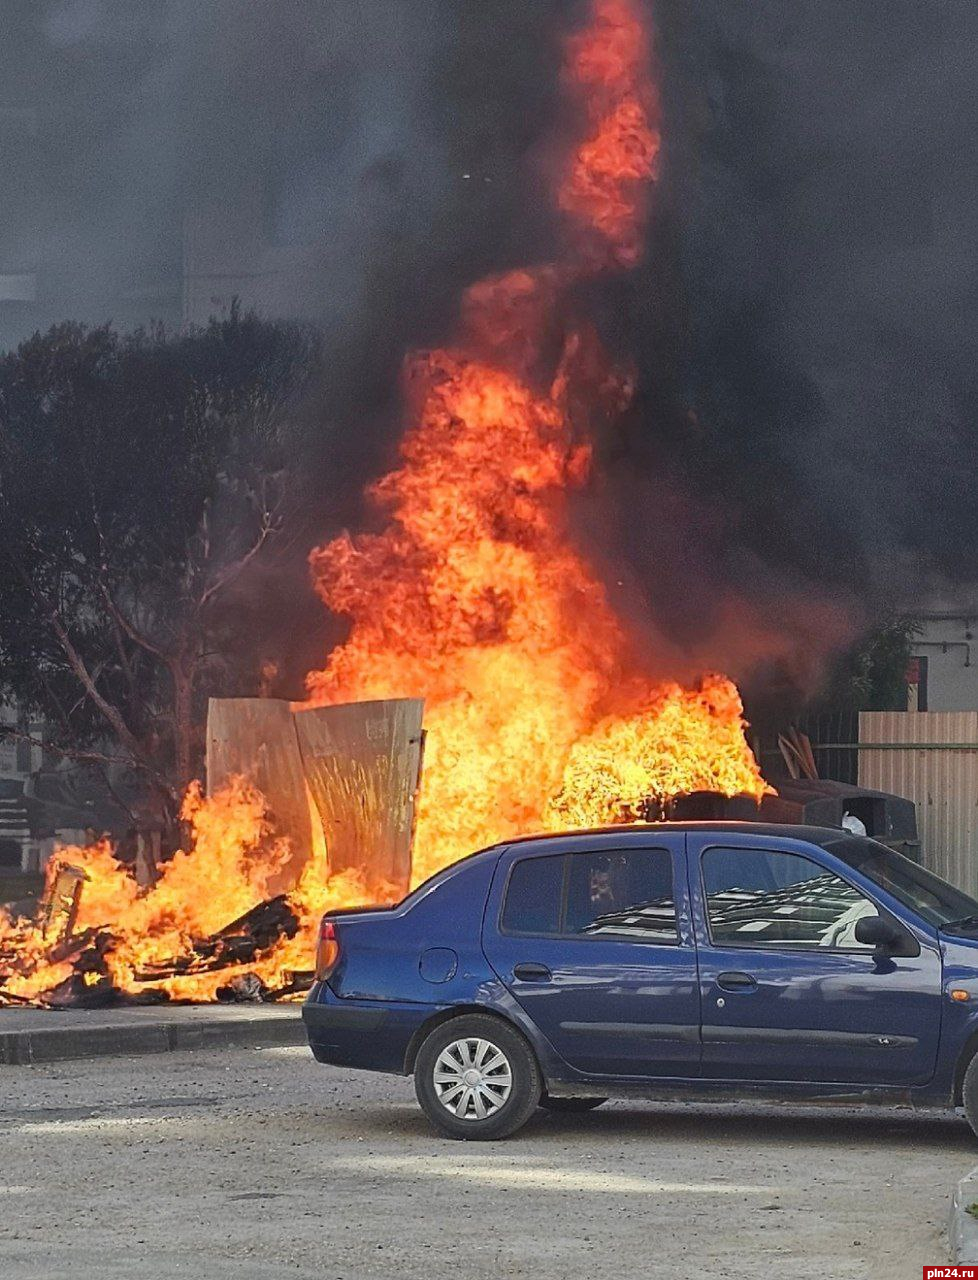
column 969, row 1094
column 477, row 1079
column 570, row 1105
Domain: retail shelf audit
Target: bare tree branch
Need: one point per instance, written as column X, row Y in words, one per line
column 117, row 629
column 110, row 713
column 269, row 526
column 123, row 623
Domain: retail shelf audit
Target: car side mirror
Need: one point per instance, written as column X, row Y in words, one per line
column 884, row 935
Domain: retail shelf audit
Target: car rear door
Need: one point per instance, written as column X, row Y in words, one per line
column 592, row 936
column 787, row 992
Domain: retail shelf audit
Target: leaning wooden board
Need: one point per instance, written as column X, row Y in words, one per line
column 362, row 761
column 256, row 738
column 359, row 762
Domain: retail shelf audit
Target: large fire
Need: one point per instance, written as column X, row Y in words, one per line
column 472, row 595
column 233, row 856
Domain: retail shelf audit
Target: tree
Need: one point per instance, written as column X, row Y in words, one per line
column 872, row 674
column 140, row 476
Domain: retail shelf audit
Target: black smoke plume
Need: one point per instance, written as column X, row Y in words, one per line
column 801, row 457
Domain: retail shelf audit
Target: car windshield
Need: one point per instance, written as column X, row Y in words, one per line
column 938, row 902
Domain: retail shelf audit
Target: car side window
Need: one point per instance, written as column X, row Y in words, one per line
column 534, row 896
column 766, row 898
column 615, row 894
column 622, row 894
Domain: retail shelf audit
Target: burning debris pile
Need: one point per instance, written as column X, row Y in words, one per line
column 209, row 928
column 472, row 596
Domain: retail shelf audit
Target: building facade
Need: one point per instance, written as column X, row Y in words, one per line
column 20, row 758
column 944, row 670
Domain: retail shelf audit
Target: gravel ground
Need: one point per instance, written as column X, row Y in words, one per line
column 259, row 1164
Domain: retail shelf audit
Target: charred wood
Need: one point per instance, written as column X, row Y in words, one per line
column 239, row 942
column 245, row 988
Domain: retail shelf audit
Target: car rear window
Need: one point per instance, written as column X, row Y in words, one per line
column 534, row 896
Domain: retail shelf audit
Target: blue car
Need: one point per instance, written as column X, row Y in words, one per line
column 693, row 960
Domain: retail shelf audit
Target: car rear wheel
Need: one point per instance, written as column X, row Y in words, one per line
column 477, row 1078
column 969, row 1094
column 570, row 1104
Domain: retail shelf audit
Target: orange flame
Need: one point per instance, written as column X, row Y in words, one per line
column 472, row 596
column 232, row 858
column 605, row 189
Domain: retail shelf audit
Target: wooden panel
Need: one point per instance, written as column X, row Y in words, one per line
column 256, row 737
column 362, row 761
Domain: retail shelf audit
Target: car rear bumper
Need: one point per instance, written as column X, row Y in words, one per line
column 361, row 1033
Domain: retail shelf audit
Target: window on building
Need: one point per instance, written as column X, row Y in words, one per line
column 10, row 854
column 763, row 898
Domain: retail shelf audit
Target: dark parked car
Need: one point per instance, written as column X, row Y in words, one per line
column 688, row 959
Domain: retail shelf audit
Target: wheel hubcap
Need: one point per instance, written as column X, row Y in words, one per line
column 472, row 1079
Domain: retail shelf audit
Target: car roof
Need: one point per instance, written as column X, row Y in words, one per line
column 786, row 831
column 782, row 830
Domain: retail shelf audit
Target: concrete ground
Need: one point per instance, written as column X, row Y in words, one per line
column 52, row 1035
column 256, row 1164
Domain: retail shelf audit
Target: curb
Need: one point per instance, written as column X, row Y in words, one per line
column 60, row 1044
column 962, row 1230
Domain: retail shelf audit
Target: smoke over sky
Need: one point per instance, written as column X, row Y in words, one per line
column 822, row 165
column 807, row 441
column 342, row 128
column 803, row 452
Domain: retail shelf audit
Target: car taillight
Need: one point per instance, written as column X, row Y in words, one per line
column 327, row 950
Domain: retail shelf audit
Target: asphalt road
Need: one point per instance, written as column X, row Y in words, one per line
column 261, row 1164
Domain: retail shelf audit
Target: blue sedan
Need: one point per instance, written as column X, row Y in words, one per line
column 673, row 960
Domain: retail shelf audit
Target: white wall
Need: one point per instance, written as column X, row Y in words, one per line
column 948, row 639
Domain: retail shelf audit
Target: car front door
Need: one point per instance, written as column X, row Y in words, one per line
column 592, row 936
column 787, row 991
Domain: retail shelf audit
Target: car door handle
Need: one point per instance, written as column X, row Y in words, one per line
column 736, row 982
column 532, row 972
